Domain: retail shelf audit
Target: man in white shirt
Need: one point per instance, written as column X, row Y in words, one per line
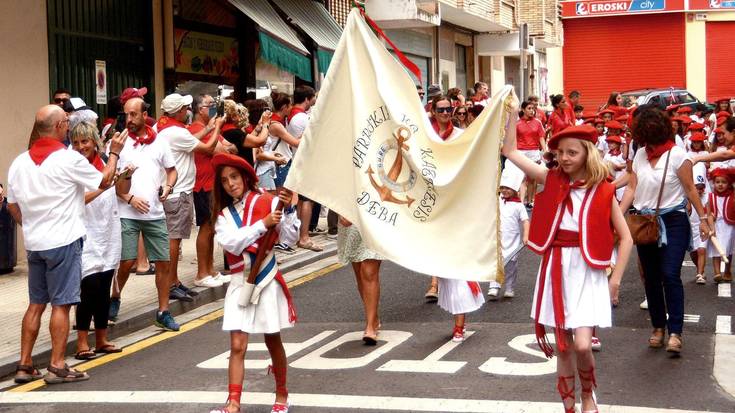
column 46, row 186
column 179, row 205
column 141, row 209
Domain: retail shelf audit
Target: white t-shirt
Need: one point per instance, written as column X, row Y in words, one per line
column 261, row 167
column 182, row 144
column 512, row 215
column 51, row 197
column 151, row 160
column 649, row 180
column 104, row 243
column 297, row 126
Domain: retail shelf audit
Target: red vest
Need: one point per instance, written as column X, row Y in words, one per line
column 595, row 227
column 728, row 210
column 260, row 209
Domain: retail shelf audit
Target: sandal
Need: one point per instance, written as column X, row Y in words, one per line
column 700, row 279
column 224, row 409
column 674, row 344
column 151, row 270
column 108, row 349
column 588, row 377
column 26, row 374
column 370, row 340
column 566, row 392
column 64, row 375
column 309, row 246
column 85, row 355
column 657, row 338
column 280, row 408
column 718, row 278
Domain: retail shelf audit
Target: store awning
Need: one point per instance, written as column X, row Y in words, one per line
column 279, row 45
column 317, row 23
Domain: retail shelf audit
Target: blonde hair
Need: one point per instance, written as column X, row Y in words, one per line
column 242, row 112
column 230, row 109
column 597, row 169
column 86, row 130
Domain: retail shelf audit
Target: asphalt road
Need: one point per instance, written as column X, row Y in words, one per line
column 415, row 368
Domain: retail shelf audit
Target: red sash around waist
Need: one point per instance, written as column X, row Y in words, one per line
column 563, row 239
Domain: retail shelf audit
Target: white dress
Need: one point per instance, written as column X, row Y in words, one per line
column 723, row 230
column 271, row 314
column 696, row 241
column 456, row 297
column 586, row 293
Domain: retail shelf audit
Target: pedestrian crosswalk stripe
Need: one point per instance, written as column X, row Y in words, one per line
column 724, row 290
column 724, row 324
column 691, row 318
column 327, row 401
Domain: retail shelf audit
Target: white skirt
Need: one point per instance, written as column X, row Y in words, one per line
column 269, row 316
column 696, row 242
column 456, row 297
column 586, row 294
column 724, row 233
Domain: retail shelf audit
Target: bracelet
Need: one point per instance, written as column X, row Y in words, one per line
column 130, row 199
column 116, row 154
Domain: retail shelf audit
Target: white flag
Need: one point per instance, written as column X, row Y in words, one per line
column 371, row 155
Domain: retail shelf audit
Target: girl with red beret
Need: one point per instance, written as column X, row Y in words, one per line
column 572, row 227
column 718, row 211
column 243, row 214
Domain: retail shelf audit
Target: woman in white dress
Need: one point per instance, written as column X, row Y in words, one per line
column 243, row 216
column 572, row 226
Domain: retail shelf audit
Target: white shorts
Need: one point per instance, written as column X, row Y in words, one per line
column 532, row 154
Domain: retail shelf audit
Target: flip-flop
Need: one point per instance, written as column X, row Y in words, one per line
column 85, row 355
column 108, row 349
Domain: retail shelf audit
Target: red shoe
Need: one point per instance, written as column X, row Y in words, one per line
column 458, row 334
column 280, row 408
column 566, row 392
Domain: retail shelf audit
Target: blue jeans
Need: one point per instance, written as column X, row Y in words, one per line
column 662, row 273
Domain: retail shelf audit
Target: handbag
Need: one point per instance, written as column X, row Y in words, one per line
column 644, row 228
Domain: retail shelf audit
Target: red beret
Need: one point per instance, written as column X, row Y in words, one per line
column 697, row 137
column 228, row 159
column 723, row 114
column 721, row 120
column 696, row 126
column 590, row 121
column 614, row 138
column 588, row 115
column 672, row 107
column 132, row 92
column 622, row 118
column 722, row 172
column 602, row 112
column 583, row 132
column 679, row 119
column 613, row 124
column 599, row 120
column 723, row 100
column 684, row 109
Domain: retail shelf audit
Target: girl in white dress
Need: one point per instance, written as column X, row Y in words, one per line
column 572, row 225
column 716, row 209
column 243, row 217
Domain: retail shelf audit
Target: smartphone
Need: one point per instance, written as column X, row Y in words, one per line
column 221, row 108
column 120, row 122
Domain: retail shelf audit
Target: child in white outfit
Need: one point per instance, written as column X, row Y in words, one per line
column 699, row 248
column 514, row 227
column 716, row 209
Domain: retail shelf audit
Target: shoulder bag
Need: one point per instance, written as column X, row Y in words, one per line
column 644, row 228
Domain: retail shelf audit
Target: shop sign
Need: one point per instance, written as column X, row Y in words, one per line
column 620, row 7
column 711, row 4
column 205, row 54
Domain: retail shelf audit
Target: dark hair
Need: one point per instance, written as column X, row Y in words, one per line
column 439, row 98
column 578, row 108
column 280, row 100
column 256, row 107
column 525, row 104
column 114, row 107
column 574, row 94
column 196, row 103
column 532, row 98
column 478, row 85
column 612, row 100
column 556, row 100
column 220, row 197
column 454, row 92
column 303, row 93
column 730, row 124
column 419, row 87
column 652, row 126
column 62, row 90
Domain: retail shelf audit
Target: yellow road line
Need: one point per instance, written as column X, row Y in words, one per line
column 150, row 341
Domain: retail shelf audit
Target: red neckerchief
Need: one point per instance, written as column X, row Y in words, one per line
column 167, row 122
column 565, row 194
column 150, row 136
column 713, row 199
column 447, row 132
column 294, row 111
column 97, row 162
column 511, row 199
column 476, row 99
column 655, row 151
column 250, row 128
column 277, row 118
column 227, row 126
column 43, row 147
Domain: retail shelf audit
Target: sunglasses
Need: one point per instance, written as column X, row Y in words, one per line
column 443, row 110
column 461, row 113
column 60, row 100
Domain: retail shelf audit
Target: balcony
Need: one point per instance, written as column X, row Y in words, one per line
column 479, row 15
column 400, row 14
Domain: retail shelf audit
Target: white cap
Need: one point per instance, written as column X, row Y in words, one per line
column 173, row 102
column 512, row 176
column 77, row 103
column 699, row 171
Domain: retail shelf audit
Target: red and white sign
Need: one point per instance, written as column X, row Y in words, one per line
column 592, row 8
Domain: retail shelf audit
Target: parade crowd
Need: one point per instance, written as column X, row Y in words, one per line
column 99, row 199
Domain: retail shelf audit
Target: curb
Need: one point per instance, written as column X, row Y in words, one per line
column 143, row 317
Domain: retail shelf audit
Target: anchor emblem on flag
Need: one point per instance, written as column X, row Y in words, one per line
column 390, row 180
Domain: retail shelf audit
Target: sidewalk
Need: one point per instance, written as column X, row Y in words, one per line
column 139, row 300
